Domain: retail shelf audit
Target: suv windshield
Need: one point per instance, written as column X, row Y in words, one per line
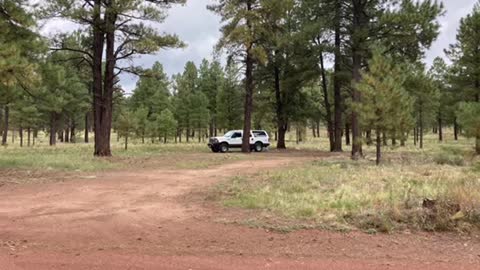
column 229, row 134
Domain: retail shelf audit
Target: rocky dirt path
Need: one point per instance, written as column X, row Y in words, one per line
column 155, row 219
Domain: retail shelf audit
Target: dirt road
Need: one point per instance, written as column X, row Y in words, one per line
column 156, row 219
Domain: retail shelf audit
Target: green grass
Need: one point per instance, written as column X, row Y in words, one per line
column 79, row 157
column 67, row 158
column 341, row 194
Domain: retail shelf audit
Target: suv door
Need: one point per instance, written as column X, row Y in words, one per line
column 236, row 139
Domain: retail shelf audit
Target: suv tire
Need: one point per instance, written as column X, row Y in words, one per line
column 224, row 147
column 258, row 147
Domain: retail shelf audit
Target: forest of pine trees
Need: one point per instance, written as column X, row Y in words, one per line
column 350, row 70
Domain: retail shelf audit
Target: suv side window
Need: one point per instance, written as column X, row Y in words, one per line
column 236, row 135
column 259, row 134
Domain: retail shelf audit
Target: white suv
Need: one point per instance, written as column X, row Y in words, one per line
column 259, row 140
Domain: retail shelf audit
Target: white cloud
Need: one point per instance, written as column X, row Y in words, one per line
column 455, row 10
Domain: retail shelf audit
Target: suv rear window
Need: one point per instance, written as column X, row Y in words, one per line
column 258, row 133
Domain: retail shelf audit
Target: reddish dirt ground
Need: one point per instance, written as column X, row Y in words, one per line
column 156, row 219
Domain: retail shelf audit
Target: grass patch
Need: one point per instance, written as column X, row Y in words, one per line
column 449, row 159
column 65, row 157
column 79, row 157
column 360, row 195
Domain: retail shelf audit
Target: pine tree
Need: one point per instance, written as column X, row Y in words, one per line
column 125, row 125
column 209, row 82
column 167, row 125
column 186, row 85
column 152, row 91
column 426, row 98
column 469, row 118
column 141, row 122
column 240, row 32
column 118, row 33
column 199, row 114
column 465, row 55
column 439, row 74
column 384, row 99
column 229, row 101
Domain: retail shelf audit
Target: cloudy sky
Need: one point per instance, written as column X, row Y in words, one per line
column 199, row 28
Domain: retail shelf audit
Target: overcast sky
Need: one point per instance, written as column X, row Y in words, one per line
column 199, row 28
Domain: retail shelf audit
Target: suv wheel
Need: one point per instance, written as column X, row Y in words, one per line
column 258, row 147
column 223, row 147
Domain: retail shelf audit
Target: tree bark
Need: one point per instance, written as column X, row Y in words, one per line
column 369, row 137
column 415, row 136
column 29, row 131
column 247, row 121
column 357, row 40
column 85, row 136
column 126, row 141
column 72, row 132
column 67, row 135
column 20, row 132
column 379, row 147
column 477, row 98
column 103, row 90
column 337, row 94
column 328, row 108
column 421, row 127
column 5, row 126
column 455, row 129
column 440, row 129
column 281, row 117
column 53, row 129
column 347, row 134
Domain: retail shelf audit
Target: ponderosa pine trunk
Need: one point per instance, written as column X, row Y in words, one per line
column 281, row 117
column 53, row 129
column 415, row 136
column 247, row 120
column 103, row 36
column 477, row 98
column 85, row 135
column 356, row 67
column 379, row 147
column 347, row 134
column 67, row 135
column 369, row 137
column 20, row 132
column 29, row 133
column 337, row 94
column 440, row 129
column 5, row 125
column 455, row 129
column 421, row 127
column 126, row 142
column 328, row 108
column 72, row 132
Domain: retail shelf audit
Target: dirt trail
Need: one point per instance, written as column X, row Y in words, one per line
column 154, row 220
